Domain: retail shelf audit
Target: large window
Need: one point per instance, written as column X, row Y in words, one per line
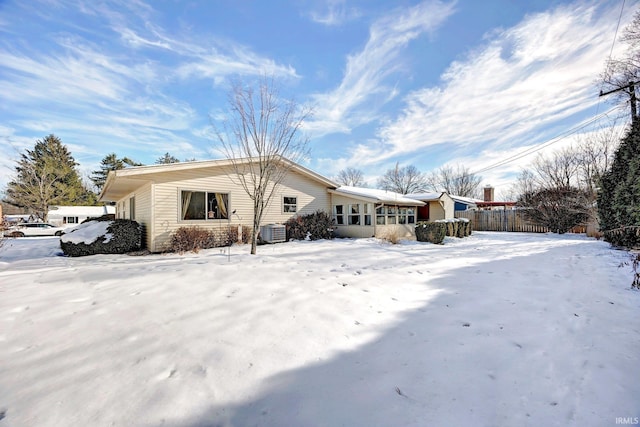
column 338, row 214
column 289, row 204
column 390, row 215
column 200, row 205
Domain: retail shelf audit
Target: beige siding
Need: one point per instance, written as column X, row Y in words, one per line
column 441, row 209
column 347, row 230
column 310, row 195
column 401, row 231
column 142, row 213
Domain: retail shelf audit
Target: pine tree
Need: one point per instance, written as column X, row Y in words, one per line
column 167, row 159
column 619, row 197
column 111, row 162
column 46, row 176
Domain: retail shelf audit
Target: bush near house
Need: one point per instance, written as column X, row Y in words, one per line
column 125, row 236
column 456, row 227
column 314, row 226
column 193, row 239
column 433, row 232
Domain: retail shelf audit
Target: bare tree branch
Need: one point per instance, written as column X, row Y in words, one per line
column 262, row 137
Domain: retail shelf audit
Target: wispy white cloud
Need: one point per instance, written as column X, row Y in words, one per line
column 523, row 79
column 363, row 84
column 335, row 13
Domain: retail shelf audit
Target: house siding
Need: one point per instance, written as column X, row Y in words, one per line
column 310, row 195
column 346, row 230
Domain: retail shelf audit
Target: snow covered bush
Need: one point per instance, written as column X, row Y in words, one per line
column 456, row 227
column 433, row 232
column 102, row 236
column 314, row 226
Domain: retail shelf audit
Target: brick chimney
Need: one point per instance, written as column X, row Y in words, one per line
column 488, row 194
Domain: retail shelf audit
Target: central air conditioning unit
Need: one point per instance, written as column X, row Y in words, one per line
column 273, row 233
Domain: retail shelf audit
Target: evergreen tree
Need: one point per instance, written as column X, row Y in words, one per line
column 167, row 159
column 619, row 197
column 46, row 176
column 111, row 162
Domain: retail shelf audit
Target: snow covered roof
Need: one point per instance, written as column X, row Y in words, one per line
column 382, row 196
column 425, row 197
column 89, row 211
column 465, row 200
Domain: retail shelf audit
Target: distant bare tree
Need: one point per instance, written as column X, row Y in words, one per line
column 560, row 169
column 595, row 154
column 350, row 176
column 525, row 183
column 458, row 181
column 403, row 180
column 260, row 136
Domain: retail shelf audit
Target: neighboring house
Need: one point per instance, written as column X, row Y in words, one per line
column 366, row 212
column 206, row 194
column 436, row 206
column 464, row 203
column 69, row 216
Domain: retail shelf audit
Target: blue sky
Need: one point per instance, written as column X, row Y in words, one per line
column 425, row 83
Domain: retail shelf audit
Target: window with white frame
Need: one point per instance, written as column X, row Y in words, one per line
column 289, row 204
column 368, row 208
column 338, row 214
column 202, row 205
column 70, row 220
column 354, row 214
column 391, row 214
column 380, row 215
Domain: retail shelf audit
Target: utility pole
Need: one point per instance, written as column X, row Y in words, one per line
column 632, row 101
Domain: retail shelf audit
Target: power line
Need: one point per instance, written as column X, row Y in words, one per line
column 545, row 144
column 613, row 43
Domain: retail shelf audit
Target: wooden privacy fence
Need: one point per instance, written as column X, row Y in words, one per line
column 500, row 220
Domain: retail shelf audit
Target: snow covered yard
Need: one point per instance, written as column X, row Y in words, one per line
column 498, row 329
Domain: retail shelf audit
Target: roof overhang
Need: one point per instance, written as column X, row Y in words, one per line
column 121, row 182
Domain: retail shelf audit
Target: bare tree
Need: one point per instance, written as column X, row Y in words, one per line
column 351, row 176
column 558, row 208
column 558, row 170
column 621, row 75
column 595, row 154
column 403, row 180
column 261, row 138
column 525, row 183
column 459, row 181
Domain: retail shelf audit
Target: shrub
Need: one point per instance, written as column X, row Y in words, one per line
column 391, row 236
column 624, row 237
column 456, row 227
column 314, row 226
column 191, row 239
column 125, row 236
column 559, row 208
column 433, row 232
